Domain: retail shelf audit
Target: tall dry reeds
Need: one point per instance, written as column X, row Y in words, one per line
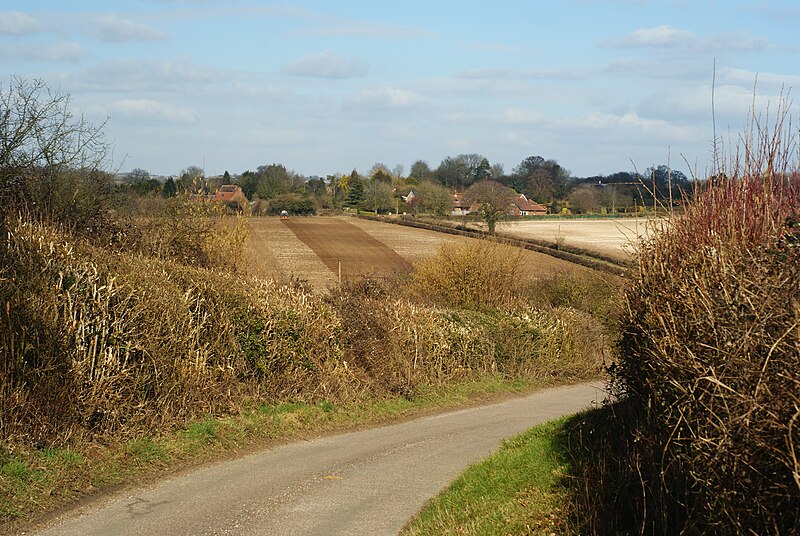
column 710, row 351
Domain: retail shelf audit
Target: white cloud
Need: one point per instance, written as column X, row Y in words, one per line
column 753, row 79
column 386, row 97
column 326, row 65
column 522, row 116
column 16, row 23
column 632, row 124
column 149, row 109
column 669, row 37
column 660, row 36
column 518, row 117
column 134, row 76
column 59, row 52
column 114, row 29
column 499, row 73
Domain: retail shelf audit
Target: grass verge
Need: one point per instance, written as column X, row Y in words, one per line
column 517, row 490
column 37, row 481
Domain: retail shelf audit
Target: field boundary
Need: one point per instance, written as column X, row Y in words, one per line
column 583, row 257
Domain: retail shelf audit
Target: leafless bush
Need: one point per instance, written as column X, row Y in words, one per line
column 709, row 353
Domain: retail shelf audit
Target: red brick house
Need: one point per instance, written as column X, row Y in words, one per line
column 232, row 196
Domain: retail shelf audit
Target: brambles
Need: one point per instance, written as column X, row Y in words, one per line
column 709, row 353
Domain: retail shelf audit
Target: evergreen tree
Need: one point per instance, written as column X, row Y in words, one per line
column 355, row 195
column 170, row 190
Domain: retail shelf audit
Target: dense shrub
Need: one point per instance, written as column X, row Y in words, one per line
column 188, row 230
column 478, row 274
column 295, row 204
column 709, row 357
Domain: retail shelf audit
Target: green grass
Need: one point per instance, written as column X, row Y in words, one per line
column 517, row 490
column 34, row 481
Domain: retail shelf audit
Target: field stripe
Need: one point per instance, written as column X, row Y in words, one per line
column 335, row 240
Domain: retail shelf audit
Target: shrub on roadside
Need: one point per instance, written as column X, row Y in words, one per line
column 709, row 356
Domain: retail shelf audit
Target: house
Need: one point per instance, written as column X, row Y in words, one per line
column 410, row 197
column 232, row 196
column 522, row 206
column 461, row 207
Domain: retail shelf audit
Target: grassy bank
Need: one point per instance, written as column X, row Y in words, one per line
column 523, row 488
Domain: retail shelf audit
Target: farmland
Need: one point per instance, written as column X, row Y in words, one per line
column 310, row 249
column 615, row 238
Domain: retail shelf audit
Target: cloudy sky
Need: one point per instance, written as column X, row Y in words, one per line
column 324, row 87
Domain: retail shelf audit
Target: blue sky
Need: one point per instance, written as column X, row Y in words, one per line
column 325, row 87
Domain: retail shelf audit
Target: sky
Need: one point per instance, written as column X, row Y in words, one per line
column 326, row 87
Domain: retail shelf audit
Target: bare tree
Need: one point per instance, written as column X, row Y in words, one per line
column 378, row 196
column 41, row 138
column 494, row 200
column 583, row 199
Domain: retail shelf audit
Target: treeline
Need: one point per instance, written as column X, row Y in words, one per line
column 381, row 189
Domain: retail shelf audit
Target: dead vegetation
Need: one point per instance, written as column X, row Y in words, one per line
column 705, row 436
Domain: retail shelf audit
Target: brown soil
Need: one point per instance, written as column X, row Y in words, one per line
column 340, row 244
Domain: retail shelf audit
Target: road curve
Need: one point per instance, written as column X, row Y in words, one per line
column 367, row 482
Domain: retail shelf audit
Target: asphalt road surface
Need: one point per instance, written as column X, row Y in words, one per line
column 366, row 483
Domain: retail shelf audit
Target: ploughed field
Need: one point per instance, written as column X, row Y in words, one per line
column 615, row 238
column 312, row 249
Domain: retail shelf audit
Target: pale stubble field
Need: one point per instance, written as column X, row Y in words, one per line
column 617, row 238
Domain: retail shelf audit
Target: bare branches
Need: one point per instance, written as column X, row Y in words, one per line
column 38, row 131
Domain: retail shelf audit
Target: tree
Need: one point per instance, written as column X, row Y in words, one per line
column 248, row 182
column 137, row 175
column 494, row 200
column 273, row 180
column 542, row 180
column 192, row 180
column 497, row 171
column 433, row 198
column 482, row 171
column 316, row 186
column 146, row 187
column 355, row 189
column 612, row 197
column 420, row 170
column 169, row 190
column 378, row 196
column 665, row 183
column 381, row 176
column 397, row 171
column 337, row 190
column 40, row 140
column 226, row 178
column 583, row 199
column 454, row 173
